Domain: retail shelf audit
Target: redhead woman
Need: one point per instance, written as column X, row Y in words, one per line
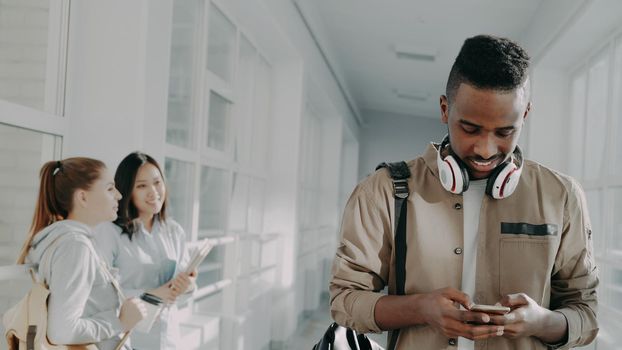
column 75, row 195
column 147, row 247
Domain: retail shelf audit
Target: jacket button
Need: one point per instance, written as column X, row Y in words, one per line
column 452, row 342
column 458, row 251
column 457, row 206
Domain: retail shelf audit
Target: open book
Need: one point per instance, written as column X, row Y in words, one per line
column 198, row 254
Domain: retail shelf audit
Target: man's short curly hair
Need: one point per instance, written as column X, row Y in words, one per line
column 488, row 62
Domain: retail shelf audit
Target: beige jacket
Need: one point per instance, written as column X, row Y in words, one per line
column 551, row 262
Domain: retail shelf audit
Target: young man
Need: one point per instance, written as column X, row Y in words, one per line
column 484, row 226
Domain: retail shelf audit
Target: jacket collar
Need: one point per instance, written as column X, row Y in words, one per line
column 429, row 157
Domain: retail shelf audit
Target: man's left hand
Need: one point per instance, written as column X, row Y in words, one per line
column 526, row 317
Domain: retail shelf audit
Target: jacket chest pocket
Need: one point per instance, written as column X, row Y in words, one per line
column 524, row 266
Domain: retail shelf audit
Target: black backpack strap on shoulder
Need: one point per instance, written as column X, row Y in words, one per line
column 400, row 173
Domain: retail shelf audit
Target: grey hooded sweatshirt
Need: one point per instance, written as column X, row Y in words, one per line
column 83, row 304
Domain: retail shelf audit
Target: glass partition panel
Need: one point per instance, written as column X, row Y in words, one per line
column 220, row 44
column 179, row 181
column 616, row 166
column 256, row 205
column 262, row 109
column 22, row 153
column 180, row 121
column 218, row 122
column 594, row 203
column 617, row 222
column 243, row 108
column 210, row 270
column 597, row 107
column 23, row 51
column 239, row 203
column 577, row 126
column 207, row 313
column 616, row 284
column 212, row 210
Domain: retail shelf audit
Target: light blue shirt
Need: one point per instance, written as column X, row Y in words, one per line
column 146, row 262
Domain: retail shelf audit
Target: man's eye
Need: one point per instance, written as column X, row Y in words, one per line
column 505, row 133
column 469, row 130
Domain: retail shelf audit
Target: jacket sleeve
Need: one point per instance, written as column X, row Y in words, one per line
column 575, row 278
column 361, row 266
column 72, row 276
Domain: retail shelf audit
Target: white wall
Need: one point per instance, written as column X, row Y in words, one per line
column 349, row 168
column 117, row 77
column 392, row 137
column 548, row 119
column 552, row 17
column 289, row 20
column 563, row 34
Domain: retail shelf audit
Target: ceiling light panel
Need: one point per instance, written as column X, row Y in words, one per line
column 412, row 95
column 417, row 53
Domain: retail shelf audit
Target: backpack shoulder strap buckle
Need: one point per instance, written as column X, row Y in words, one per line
column 400, row 173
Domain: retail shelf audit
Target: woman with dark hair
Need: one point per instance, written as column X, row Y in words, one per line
column 75, row 195
column 147, row 247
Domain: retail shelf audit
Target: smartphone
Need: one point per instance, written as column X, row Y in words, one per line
column 491, row 309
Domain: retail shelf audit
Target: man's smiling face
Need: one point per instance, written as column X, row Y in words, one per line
column 484, row 125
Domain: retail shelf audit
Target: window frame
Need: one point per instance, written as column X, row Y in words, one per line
column 201, row 156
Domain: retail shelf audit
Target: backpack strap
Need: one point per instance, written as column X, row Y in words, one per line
column 400, row 173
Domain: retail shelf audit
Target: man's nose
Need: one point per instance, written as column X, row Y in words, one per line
column 486, row 147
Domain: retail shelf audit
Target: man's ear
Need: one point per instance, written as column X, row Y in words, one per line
column 80, row 198
column 444, row 104
column 527, row 110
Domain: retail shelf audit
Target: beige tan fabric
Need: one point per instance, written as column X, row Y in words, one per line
column 556, row 270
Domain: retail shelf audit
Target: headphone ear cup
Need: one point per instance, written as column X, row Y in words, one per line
column 466, row 180
column 452, row 172
column 459, row 175
column 500, row 184
column 445, row 175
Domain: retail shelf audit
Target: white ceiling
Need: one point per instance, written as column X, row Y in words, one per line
column 359, row 37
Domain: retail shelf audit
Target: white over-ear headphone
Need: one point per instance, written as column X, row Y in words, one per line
column 501, row 183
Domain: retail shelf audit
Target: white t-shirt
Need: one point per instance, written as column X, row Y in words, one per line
column 472, row 204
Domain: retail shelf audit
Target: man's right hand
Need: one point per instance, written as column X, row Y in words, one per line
column 132, row 311
column 439, row 310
